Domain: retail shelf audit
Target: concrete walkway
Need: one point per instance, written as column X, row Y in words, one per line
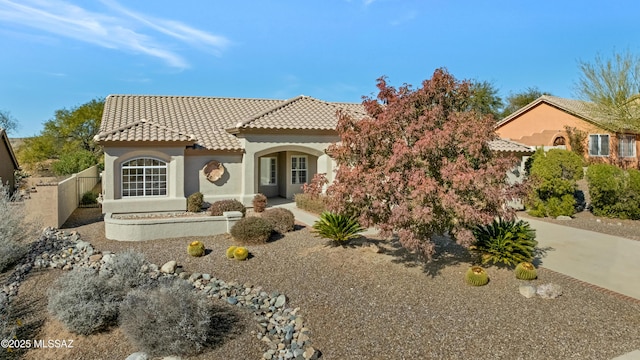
column 610, row 262
column 607, row 261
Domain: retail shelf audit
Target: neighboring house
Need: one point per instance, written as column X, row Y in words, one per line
column 543, row 123
column 161, row 149
column 8, row 162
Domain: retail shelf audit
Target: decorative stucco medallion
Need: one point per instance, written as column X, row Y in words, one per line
column 213, row 170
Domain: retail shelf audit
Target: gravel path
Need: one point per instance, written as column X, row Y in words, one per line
column 389, row 305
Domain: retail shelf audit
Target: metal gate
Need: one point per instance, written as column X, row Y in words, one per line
column 89, row 189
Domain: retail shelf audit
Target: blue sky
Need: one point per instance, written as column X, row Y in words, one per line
column 62, row 53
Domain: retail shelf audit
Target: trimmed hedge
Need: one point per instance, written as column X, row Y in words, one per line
column 282, row 220
column 614, row 192
column 252, row 230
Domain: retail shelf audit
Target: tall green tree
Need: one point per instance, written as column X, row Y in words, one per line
column 70, row 131
column 484, row 99
column 518, row 100
column 613, row 86
column 7, row 121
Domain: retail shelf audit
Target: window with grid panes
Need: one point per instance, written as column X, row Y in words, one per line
column 144, row 177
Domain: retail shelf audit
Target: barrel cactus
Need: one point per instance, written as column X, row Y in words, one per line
column 526, row 271
column 240, row 253
column 476, row 276
column 195, row 248
column 230, row 251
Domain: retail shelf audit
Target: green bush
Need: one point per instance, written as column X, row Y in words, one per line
column 259, row 203
column 614, row 192
column 74, row 162
column 316, row 205
column 194, row 202
column 554, row 175
column 169, row 319
column 282, row 220
column 506, row 242
column 219, row 207
column 89, row 198
column 252, row 230
column 84, row 301
column 337, row 227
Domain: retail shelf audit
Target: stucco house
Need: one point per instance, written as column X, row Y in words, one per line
column 160, row 149
column 8, row 162
column 543, row 123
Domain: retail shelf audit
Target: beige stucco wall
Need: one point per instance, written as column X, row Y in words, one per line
column 114, row 157
column 312, row 144
column 229, row 186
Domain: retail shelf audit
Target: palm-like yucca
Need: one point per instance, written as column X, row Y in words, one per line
column 337, row 227
column 508, row 242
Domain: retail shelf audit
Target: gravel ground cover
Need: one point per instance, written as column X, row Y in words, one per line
column 365, row 305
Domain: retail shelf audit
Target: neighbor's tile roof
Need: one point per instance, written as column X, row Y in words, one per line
column 579, row 108
column 204, row 120
column 504, row 145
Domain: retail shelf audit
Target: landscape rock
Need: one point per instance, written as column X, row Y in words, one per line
column 549, row 291
column 169, row 267
column 280, row 301
column 138, row 356
column 563, row 217
column 527, row 291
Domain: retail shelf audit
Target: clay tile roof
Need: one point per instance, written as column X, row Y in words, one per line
column 203, row 120
column 504, row 145
column 301, row 112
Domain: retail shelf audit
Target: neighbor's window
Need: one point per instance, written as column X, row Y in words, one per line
column 298, row 169
column 599, row 145
column 627, row 145
column 268, row 171
column 144, row 177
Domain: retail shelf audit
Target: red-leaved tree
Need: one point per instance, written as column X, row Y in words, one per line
column 420, row 164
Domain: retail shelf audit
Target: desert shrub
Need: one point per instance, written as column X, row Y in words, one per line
column 337, row 227
column 74, row 162
column 194, row 202
column 14, row 230
column 282, row 220
column 554, row 175
column 219, row 207
column 168, row 319
column 252, row 230
column 259, row 203
column 614, row 192
column 84, row 301
column 127, row 267
column 195, row 248
column 89, row 198
column 507, row 242
column 476, row 276
column 316, row 205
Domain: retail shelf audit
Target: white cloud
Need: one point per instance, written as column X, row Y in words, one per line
column 68, row 20
column 404, row 18
column 368, row 2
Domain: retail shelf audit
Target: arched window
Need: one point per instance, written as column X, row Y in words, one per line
column 559, row 141
column 144, row 177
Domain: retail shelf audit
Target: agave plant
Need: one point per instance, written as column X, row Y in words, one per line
column 507, row 242
column 337, row 227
